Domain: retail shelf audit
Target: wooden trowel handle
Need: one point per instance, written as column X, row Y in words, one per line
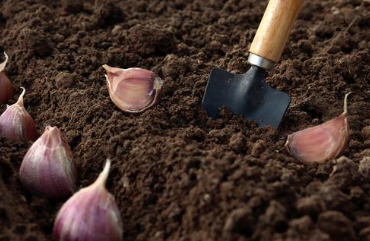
column 275, row 27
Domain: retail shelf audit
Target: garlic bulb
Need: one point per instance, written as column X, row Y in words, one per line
column 16, row 124
column 91, row 214
column 48, row 168
column 133, row 90
column 6, row 88
column 320, row 143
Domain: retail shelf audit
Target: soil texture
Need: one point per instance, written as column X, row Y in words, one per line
column 178, row 174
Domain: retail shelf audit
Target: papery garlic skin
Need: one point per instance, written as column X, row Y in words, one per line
column 6, row 88
column 16, row 124
column 133, row 90
column 321, row 143
column 48, row 168
column 91, row 214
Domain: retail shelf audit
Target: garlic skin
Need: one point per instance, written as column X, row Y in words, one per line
column 91, row 214
column 321, row 143
column 48, row 168
column 133, row 90
column 6, row 88
column 16, row 124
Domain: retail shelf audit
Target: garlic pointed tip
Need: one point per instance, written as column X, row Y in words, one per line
column 50, row 128
column 20, row 98
column 106, row 67
column 345, row 102
column 111, row 71
column 3, row 64
column 103, row 176
column 107, row 167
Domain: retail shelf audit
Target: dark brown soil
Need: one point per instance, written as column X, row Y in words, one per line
column 178, row 174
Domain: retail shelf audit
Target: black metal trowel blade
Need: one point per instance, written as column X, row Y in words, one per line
column 247, row 95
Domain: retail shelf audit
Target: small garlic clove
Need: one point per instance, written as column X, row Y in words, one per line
column 48, row 168
column 320, row 143
column 90, row 214
column 6, row 88
column 16, row 124
column 133, row 90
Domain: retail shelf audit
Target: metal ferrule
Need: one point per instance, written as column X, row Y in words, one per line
column 260, row 62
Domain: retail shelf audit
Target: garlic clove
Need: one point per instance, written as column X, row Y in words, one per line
column 133, row 90
column 90, row 214
column 48, row 168
column 16, row 124
column 320, row 143
column 6, row 88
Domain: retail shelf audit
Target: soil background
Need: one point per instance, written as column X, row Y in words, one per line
column 177, row 174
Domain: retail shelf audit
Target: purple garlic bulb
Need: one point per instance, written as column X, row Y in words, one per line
column 6, row 88
column 48, row 168
column 16, row 124
column 91, row 214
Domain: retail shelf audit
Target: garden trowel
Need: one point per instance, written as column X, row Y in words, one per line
column 248, row 94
